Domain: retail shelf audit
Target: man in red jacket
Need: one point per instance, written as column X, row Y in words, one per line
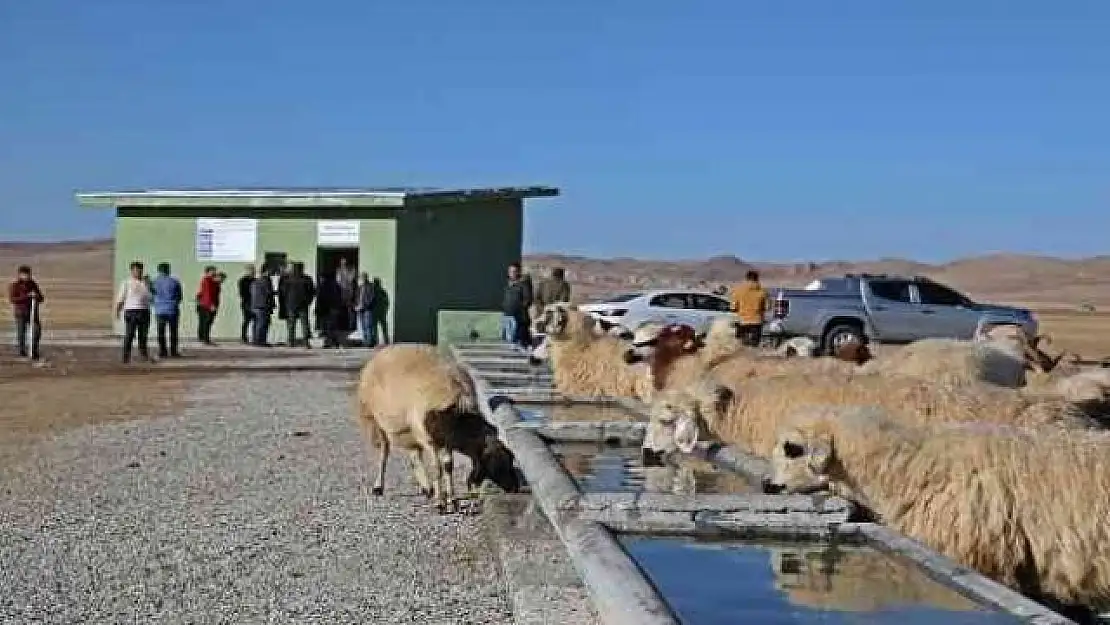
column 22, row 291
column 208, row 301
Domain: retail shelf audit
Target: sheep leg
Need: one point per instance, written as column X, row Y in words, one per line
column 447, row 466
column 435, row 474
column 416, row 465
column 383, row 458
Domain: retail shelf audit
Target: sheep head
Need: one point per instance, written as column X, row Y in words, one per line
column 561, row 322
column 798, row 346
column 801, row 459
column 854, row 352
column 682, row 417
column 490, row 459
column 653, row 341
column 495, row 463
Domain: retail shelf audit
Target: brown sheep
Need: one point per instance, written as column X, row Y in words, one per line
column 414, row 397
column 585, row 364
column 1027, row 508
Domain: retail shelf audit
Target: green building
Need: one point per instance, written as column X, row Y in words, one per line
column 439, row 254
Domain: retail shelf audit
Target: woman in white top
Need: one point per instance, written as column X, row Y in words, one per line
column 133, row 303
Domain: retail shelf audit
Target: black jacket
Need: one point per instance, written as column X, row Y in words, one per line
column 296, row 293
column 517, row 298
column 245, row 292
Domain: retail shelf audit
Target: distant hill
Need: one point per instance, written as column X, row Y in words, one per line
column 1036, row 280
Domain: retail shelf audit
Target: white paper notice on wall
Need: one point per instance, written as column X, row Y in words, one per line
column 337, row 232
column 226, row 240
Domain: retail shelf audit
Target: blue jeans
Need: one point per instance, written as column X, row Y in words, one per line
column 367, row 324
column 508, row 329
column 260, row 329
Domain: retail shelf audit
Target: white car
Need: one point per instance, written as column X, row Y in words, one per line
column 697, row 309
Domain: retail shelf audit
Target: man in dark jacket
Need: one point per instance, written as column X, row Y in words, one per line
column 553, row 289
column 262, row 308
column 330, row 301
column 245, row 303
column 297, row 292
column 514, row 307
column 22, row 291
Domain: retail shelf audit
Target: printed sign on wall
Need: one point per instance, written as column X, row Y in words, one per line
column 337, row 232
column 226, row 240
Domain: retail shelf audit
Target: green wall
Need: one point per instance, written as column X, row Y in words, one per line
column 453, row 257
column 168, row 234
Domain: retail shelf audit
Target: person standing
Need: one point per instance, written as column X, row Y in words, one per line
column 21, row 293
column 133, row 304
column 514, row 307
column 167, row 310
column 364, row 309
column 553, row 289
column 262, row 307
column 208, row 302
column 346, row 279
column 750, row 302
column 297, row 293
column 244, row 289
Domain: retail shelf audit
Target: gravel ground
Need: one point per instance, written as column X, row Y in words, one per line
column 253, row 507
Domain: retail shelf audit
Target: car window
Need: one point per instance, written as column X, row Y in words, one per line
column 708, row 302
column 893, row 290
column 670, row 300
column 938, row 294
column 624, row 297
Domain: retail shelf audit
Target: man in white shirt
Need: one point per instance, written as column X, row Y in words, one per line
column 133, row 303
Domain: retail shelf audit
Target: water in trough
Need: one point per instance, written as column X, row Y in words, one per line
column 597, row 467
column 575, row 411
column 721, row 582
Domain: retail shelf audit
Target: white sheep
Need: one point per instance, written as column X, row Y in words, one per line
column 414, row 397
column 1027, row 507
column 584, row 364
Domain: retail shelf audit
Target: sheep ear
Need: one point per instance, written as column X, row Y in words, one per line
column 686, row 435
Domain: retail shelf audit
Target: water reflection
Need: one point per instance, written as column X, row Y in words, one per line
column 605, row 468
column 714, row 583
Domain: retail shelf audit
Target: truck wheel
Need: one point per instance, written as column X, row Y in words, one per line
column 840, row 334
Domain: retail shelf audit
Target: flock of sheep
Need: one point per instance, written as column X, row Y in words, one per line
column 987, row 450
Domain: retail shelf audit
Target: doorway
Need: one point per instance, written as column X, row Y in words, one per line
column 327, row 261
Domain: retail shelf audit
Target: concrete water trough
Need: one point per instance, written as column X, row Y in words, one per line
column 640, row 544
column 723, row 579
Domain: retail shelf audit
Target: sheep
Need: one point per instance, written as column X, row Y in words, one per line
column 998, row 354
column 1017, row 339
column 414, row 397
column 584, row 364
column 1023, row 507
column 798, row 346
column 754, row 409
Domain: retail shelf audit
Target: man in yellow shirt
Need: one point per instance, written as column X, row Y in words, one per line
column 749, row 302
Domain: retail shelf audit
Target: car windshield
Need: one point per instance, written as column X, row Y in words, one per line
column 625, row 297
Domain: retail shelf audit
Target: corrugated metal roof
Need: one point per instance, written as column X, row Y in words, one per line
column 306, row 196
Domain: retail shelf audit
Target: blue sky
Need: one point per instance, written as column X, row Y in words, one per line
column 853, row 129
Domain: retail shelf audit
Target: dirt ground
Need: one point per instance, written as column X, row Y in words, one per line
column 1082, row 333
column 81, row 386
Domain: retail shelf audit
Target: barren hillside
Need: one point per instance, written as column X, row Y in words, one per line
column 82, row 269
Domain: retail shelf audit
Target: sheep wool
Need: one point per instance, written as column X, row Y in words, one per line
column 1026, row 508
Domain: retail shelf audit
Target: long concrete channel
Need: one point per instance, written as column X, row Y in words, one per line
column 589, row 523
